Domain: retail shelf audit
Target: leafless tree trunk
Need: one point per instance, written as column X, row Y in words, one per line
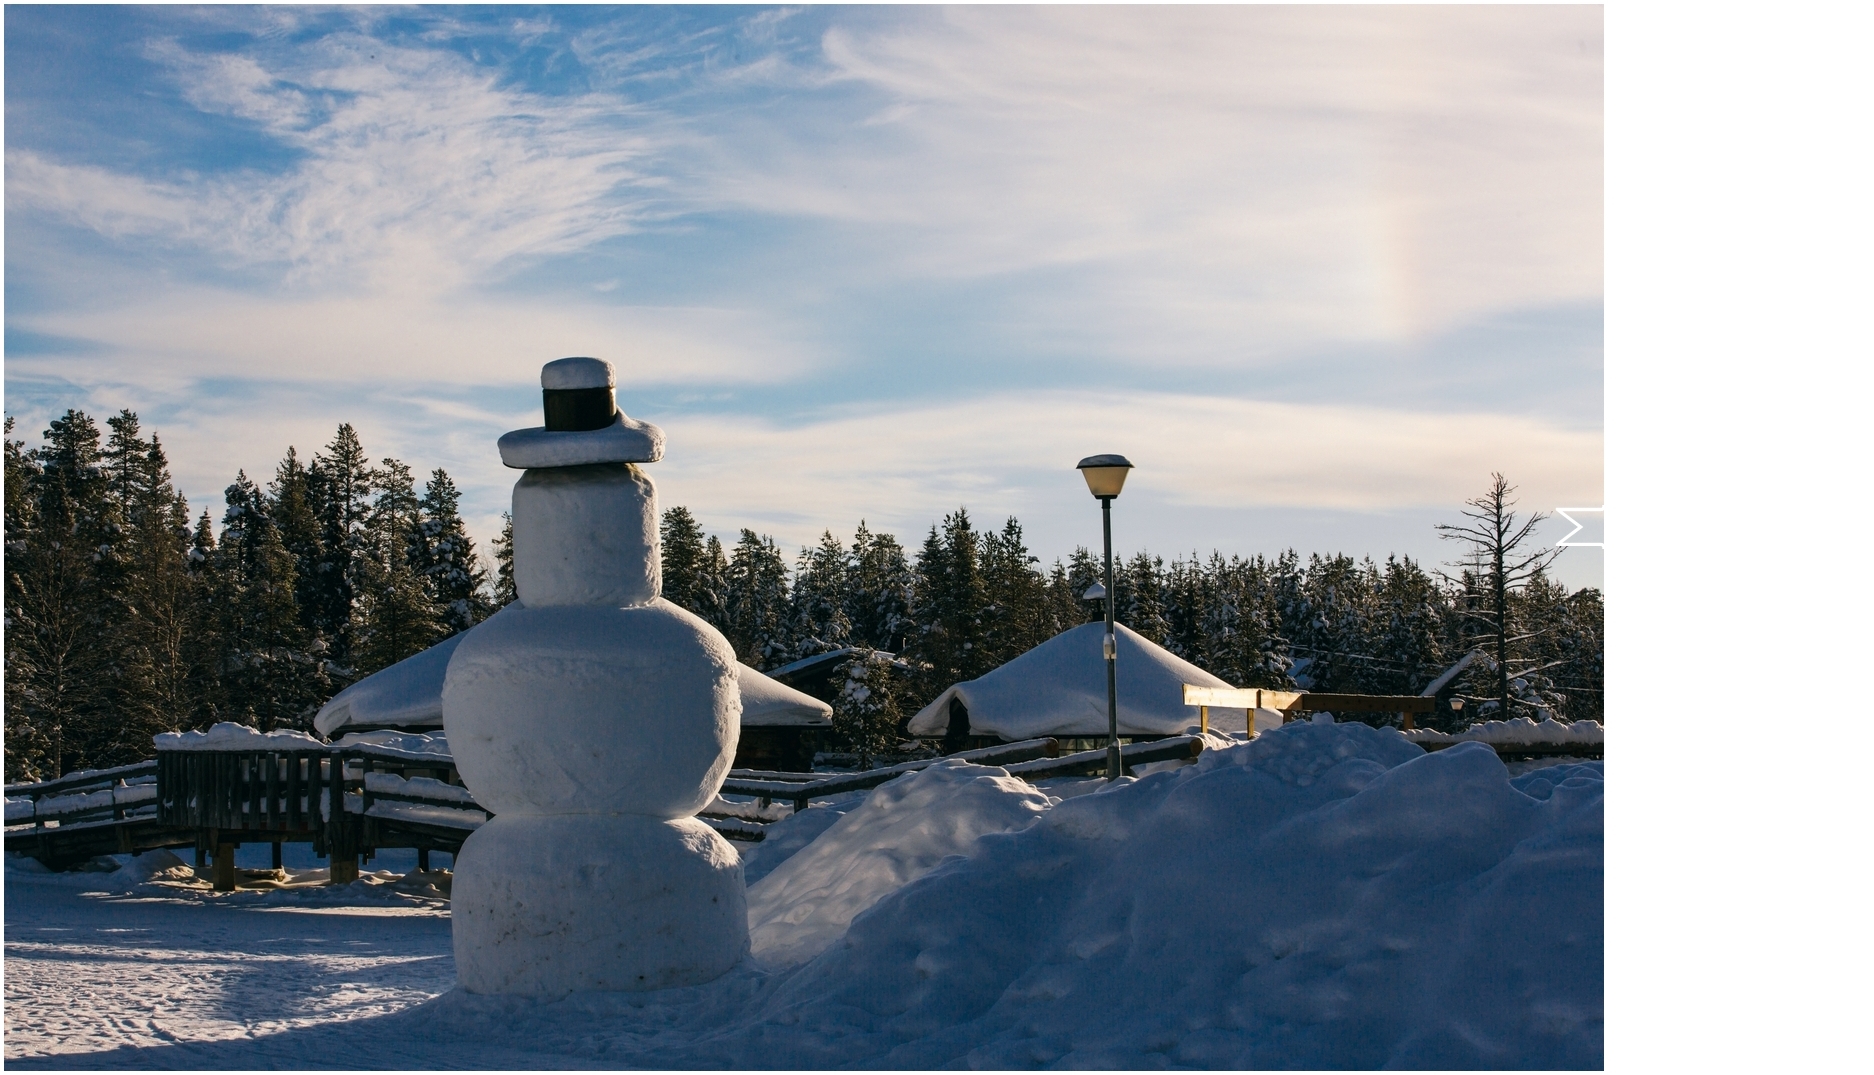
column 1496, row 553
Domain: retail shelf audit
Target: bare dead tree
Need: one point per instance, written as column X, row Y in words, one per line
column 1497, row 555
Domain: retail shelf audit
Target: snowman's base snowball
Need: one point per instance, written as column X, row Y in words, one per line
column 545, row 906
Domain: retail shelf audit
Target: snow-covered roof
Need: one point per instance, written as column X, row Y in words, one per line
column 408, row 694
column 767, row 704
column 1059, row 688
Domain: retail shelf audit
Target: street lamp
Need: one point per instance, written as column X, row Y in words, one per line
column 1106, row 475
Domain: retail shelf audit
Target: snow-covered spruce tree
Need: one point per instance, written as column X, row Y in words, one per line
column 817, row 605
column 1064, row 607
column 681, row 547
column 866, row 714
column 290, row 504
column 1411, row 614
column 393, row 615
column 947, row 608
column 29, row 754
column 266, row 675
column 1015, row 610
column 712, row 586
column 1138, row 586
column 504, row 562
column 443, row 556
column 757, row 604
column 339, row 486
column 1083, row 570
column 162, row 665
column 878, row 598
column 1500, row 556
column 1242, row 638
column 60, row 662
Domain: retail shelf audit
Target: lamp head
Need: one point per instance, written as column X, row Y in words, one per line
column 1095, row 592
column 1105, row 474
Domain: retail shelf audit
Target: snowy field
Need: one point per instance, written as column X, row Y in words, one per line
column 1327, row 896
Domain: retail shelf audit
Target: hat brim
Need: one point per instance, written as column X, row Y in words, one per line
column 624, row 441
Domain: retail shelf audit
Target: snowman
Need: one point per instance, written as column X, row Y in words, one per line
column 593, row 719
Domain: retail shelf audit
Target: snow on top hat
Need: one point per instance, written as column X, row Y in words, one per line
column 584, row 424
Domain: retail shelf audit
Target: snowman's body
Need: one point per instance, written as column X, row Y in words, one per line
column 594, row 719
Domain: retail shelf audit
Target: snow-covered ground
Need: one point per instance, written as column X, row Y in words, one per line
column 1327, row 896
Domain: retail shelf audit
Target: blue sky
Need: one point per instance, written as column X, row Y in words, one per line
column 1317, row 271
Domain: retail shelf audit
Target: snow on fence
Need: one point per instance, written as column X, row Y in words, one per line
column 91, row 797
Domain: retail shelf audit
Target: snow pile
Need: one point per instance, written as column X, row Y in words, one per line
column 230, row 736
column 1328, row 895
column 1059, row 688
column 1520, row 731
column 780, row 840
column 902, row 831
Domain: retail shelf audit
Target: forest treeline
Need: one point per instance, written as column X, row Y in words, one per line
column 126, row 615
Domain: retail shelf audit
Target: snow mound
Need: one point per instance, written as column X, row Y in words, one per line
column 1519, row 731
column 1326, row 896
column 902, row 831
column 230, row 736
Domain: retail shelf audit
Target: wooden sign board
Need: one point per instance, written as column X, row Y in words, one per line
column 1223, row 697
column 1304, row 702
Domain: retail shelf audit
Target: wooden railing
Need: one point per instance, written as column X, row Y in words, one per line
column 96, row 796
column 349, row 801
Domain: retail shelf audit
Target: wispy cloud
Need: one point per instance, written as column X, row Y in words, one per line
column 797, row 208
column 417, row 172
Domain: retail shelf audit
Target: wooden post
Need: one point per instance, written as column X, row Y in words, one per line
column 224, row 867
column 344, row 869
column 278, row 862
column 1405, row 723
column 1203, row 719
column 422, row 859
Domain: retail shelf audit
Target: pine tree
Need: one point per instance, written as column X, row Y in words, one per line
column 948, row 606
column 339, row 488
column 710, row 589
column 757, row 603
column 394, row 615
column 1139, row 603
column 682, row 551
column 817, row 605
column 1498, row 562
column 1411, row 613
column 504, row 563
column 164, row 671
column 443, row 557
column 29, row 752
column 878, row 600
column 1015, row 616
column 1083, row 570
column 60, row 665
column 866, row 714
column 290, row 504
column 267, row 677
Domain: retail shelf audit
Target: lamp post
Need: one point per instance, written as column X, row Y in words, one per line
column 1106, row 475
